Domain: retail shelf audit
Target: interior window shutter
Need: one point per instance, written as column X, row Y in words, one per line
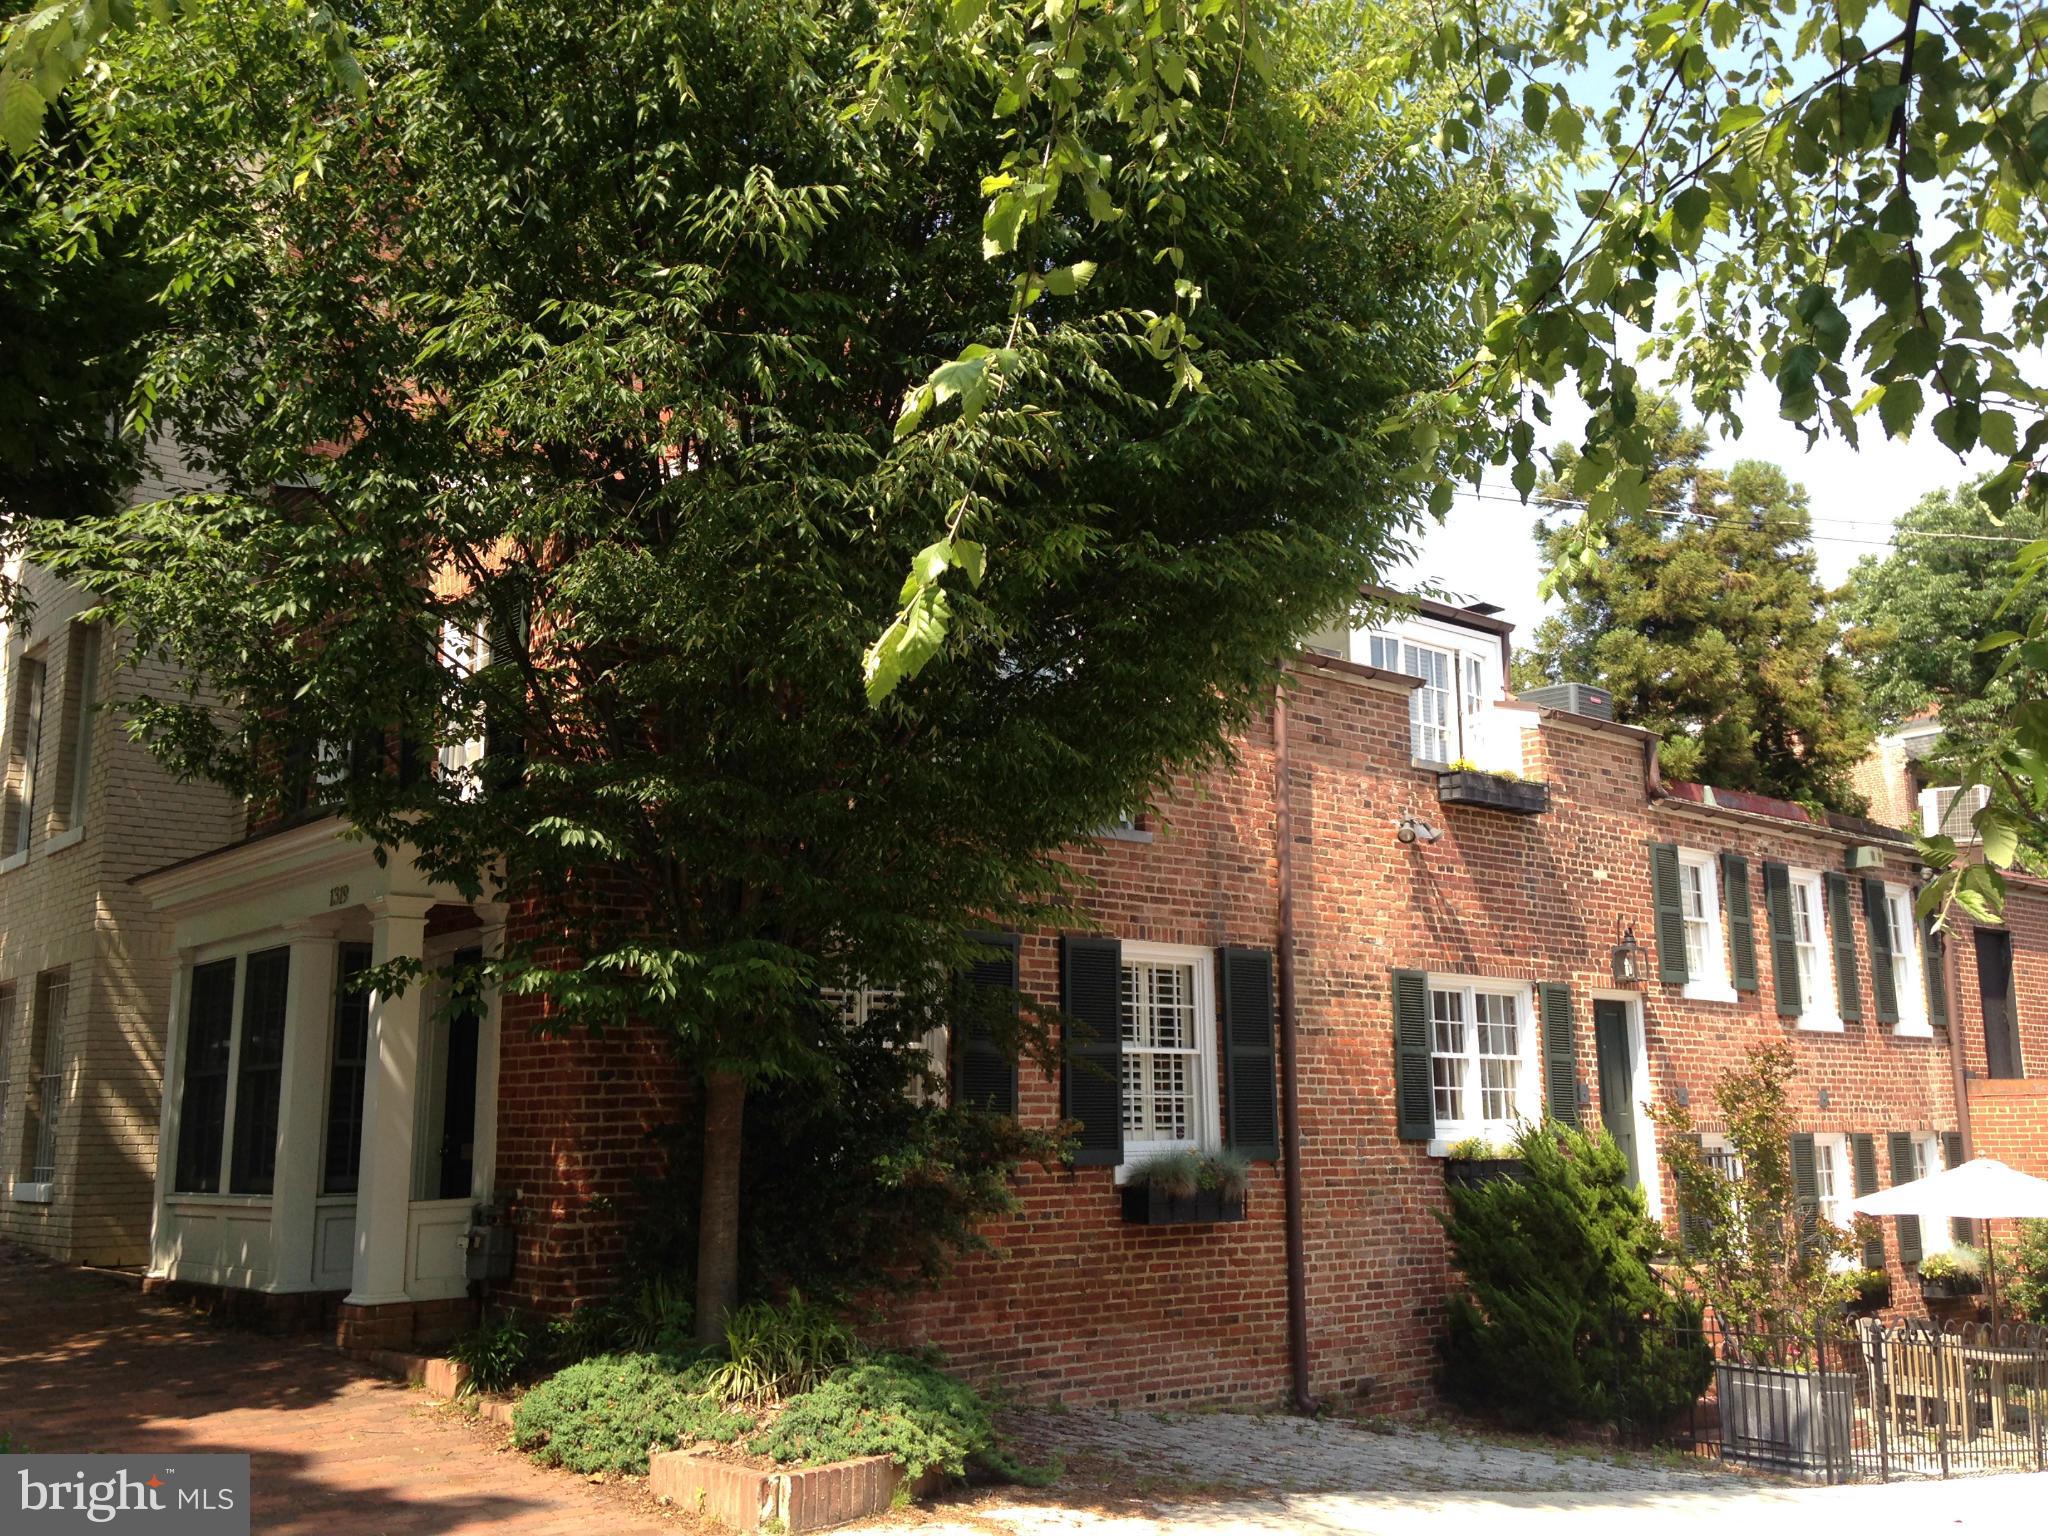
column 1842, row 929
column 1863, row 1153
column 1560, row 1058
column 1253, row 1125
column 985, row 1058
column 1784, row 952
column 1414, row 1097
column 1741, row 925
column 1670, row 907
column 1692, row 1231
column 1877, row 919
column 1805, row 1187
column 1934, row 955
column 1909, row 1226
column 1092, row 1070
column 1964, row 1229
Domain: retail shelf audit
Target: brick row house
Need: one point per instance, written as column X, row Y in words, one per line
column 1412, row 911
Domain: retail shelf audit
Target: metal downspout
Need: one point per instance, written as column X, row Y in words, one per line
column 1290, row 1097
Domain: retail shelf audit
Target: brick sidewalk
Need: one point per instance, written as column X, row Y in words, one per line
column 87, row 1364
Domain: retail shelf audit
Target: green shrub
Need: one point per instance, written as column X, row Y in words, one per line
column 773, row 1352
column 1179, row 1175
column 1563, row 1319
column 2027, row 1263
column 1961, row 1262
column 604, row 1414
column 499, row 1354
column 894, row 1406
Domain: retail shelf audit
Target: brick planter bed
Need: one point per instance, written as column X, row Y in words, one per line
column 747, row 1498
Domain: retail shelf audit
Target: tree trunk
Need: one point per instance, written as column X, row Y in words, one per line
column 718, row 1208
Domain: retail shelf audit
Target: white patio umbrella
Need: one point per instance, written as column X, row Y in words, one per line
column 1983, row 1189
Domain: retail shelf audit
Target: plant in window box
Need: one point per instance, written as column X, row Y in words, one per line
column 1476, row 1160
column 1873, row 1289
column 1182, row 1188
column 1463, row 783
column 1958, row 1272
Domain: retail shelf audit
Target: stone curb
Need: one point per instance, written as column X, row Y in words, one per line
column 747, row 1499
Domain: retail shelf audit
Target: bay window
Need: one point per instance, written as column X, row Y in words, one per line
column 233, row 1072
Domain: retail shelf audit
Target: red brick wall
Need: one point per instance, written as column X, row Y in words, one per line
column 2009, row 1118
column 1075, row 1304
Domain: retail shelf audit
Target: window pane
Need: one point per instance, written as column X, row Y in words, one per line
column 260, row 1073
column 1161, row 1064
column 1448, row 1054
column 46, row 1048
column 203, row 1104
column 345, row 1074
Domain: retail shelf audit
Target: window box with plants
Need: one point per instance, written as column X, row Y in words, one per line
column 1466, row 783
column 1873, row 1290
column 1946, row 1276
column 1476, row 1161
column 1186, row 1188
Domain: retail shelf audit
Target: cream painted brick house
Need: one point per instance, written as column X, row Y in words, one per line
column 85, row 965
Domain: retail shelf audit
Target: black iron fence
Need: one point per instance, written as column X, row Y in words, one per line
column 1854, row 1400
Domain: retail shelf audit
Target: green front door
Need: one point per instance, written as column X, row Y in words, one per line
column 1617, row 1078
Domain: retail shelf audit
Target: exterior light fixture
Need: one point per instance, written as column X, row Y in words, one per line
column 1628, row 960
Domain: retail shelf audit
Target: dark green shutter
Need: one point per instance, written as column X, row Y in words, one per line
column 1965, row 1230
column 1863, row 1152
column 1414, row 1095
column 1884, row 988
column 1909, row 1226
column 1669, row 898
column 1092, row 1072
column 1805, row 1187
column 1934, row 954
column 1741, row 927
column 1253, row 1124
column 1842, row 929
column 1692, row 1230
column 1560, row 1060
column 985, row 1060
column 1784, row 950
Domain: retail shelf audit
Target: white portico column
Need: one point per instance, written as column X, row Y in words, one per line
column 162, row 1237
column 390, row 1092
column 308, row 1047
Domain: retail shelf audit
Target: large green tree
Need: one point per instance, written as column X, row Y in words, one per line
column 1703, row 615
column 605, row 317
column 1915, row 618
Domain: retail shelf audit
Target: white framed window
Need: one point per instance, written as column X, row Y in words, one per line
column 227, row 1104
column 31, row 684
column 84, row 659
column 1706, row 952
column 1484, row 1075
column 1169, row 1092
column 855, row 1006
column 7, row 994
column 1432, row 714
column 1836, row 1186
column 1722, row 1157
column 1936, row 1235
column 464, row 652
column 52, row 1007
column 1909, row 981
column 1817, row 1006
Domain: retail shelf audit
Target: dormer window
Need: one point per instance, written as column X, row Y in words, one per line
column 1444, row 714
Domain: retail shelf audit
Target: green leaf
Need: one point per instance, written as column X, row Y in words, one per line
column 1064, row 281
column 2000, row 831
column 21, row 111
column 1899, row 407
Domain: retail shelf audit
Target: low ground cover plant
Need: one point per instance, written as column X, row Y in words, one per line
column 792, row 1386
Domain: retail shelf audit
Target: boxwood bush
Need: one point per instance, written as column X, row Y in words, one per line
column 604, row 1414
column 894, row 1406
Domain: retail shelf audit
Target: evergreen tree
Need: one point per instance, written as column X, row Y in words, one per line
column 1562, row 1318
column 1704, row 617
column 1914, row 617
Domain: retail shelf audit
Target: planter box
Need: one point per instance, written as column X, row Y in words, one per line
column 1471, row 1172
column 748, row 1499
column 1951, row 1288
column 1791, row 1421
column 1148, row 1207
column 1517, row 797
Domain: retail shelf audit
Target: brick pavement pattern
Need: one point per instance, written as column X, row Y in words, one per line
column 87, row 1364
